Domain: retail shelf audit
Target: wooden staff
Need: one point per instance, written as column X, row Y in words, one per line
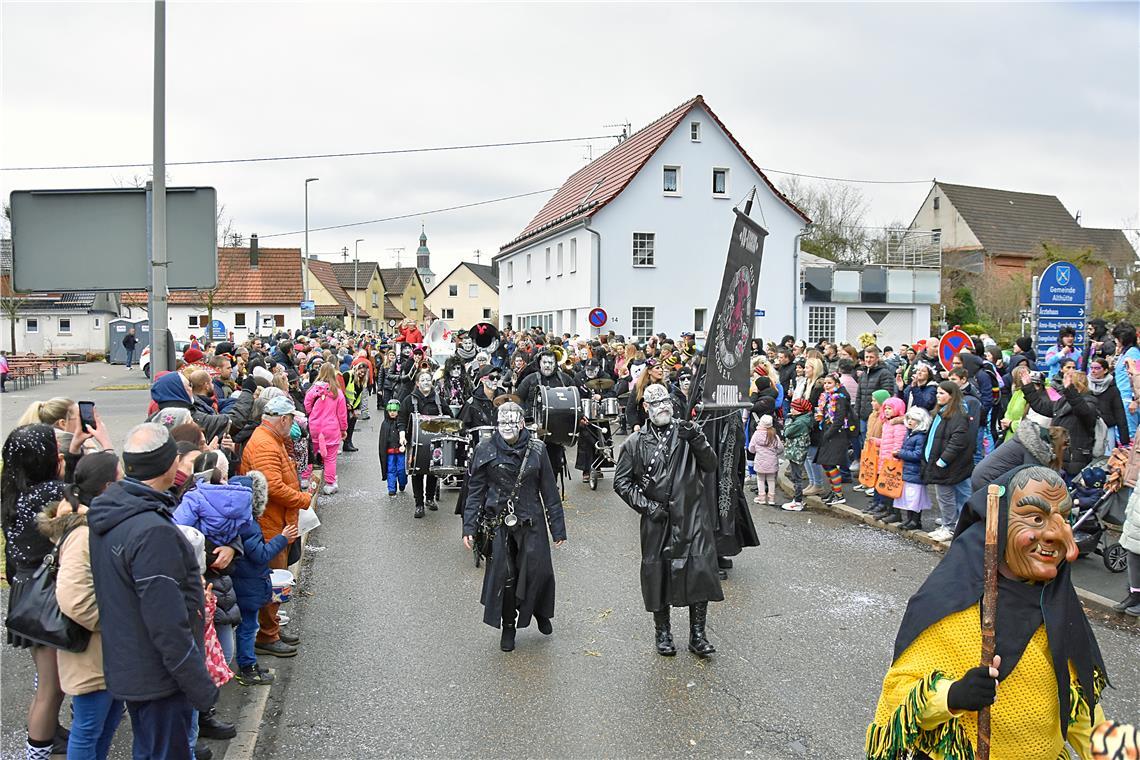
column 989, row 609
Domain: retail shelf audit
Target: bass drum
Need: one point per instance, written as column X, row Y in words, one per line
column 556, row 412
column 480, row 434
column 420, row 444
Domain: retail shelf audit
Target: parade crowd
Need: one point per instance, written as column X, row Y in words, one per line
column 166, row 549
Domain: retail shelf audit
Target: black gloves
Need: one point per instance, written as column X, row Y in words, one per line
column 656, row 511
column 973, row 691
column 687, row 430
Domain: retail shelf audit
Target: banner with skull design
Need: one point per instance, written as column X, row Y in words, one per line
column 728, row 348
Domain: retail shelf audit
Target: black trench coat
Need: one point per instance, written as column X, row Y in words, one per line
column 492, row 480
column 678, row 539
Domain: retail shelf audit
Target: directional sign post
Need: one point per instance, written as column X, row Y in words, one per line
column 950, row 345
column 1062, row 301
column 598, row 317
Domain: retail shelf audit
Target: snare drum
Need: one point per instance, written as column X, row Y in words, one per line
column 556, row 412
column 448, row 455
column 591, row 409
column 611, row 408
column 419, row 444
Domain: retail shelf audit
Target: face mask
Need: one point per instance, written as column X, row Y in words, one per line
column 295, row 432
column 510, row 424
column 467, row 345
column 583, row 354
column 456, row 372
column 546, row 366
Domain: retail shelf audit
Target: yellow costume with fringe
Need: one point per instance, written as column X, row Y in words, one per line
column 1024, row 723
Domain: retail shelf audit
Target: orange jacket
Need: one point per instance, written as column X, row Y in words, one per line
column 265, row 452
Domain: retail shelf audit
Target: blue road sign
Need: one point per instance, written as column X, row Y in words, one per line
column 598, row 317
column 759, row 312
column 1061, row 300
column 217, row 329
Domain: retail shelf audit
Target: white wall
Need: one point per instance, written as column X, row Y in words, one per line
column 956, row 234
column 692, row 234
column 180, row 322
column 549, row 292
column 84, row 336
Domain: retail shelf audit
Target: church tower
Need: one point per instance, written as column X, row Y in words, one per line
column 423, row 262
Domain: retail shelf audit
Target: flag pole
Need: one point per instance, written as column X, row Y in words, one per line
column 989, row 609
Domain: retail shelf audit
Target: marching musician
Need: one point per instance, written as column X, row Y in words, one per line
column 424, row 400
column 594, row 384
column 547, row 376
column 455, row 385
column 479, row 411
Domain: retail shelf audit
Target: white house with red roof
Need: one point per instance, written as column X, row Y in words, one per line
column 642, row 232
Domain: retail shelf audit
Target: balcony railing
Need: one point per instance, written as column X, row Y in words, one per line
column 910, row 249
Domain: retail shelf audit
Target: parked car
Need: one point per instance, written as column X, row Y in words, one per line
column 144, row 360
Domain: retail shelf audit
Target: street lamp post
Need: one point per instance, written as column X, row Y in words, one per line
column 305, row 264
column 356, row 287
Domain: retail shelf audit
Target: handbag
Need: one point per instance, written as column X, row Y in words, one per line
column 34, row 614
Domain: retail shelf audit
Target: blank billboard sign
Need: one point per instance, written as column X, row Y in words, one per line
column 98, row 240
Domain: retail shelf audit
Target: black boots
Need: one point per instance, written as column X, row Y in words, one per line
column 507, row 640
column 419, row 511
column 895, row 517
column 210, row 726
column 545, row 627
column 665, row 646
column 1132, row 600
column 698, row 644
column 913, row 520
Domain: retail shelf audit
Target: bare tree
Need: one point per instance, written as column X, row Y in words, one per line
column 11, row 303
column 838, row 214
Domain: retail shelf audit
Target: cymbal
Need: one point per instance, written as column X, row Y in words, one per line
column 441, row 425
column 500, row 400
column 600, row 384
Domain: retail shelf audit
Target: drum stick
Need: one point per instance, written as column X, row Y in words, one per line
column 989, row 609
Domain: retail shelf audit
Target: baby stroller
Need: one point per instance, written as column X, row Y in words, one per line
column 1092, row 508
column 603, row 444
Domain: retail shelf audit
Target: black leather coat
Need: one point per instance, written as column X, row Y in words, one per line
column 678, row 519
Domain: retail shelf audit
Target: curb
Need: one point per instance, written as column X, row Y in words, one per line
column 1091, row 601
column 241, row 747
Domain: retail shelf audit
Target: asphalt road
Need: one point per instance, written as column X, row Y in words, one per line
column 395, row 659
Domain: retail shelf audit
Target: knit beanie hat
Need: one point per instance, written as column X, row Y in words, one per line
column 766, row 421
column 801, row 405
column 881, row 395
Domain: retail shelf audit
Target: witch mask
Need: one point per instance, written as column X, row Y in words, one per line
column 1038, row 536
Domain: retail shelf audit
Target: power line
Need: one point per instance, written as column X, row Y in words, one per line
column 414, row 213
column 357, row 154
column 847, row 179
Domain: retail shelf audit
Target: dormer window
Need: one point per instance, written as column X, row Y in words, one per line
column 695, row 131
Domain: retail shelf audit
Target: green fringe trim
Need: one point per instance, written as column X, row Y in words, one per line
column 1078, row 704
column 902, row 732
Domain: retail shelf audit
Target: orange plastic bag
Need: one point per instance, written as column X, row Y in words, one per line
column 890, row 482
column 869, row 464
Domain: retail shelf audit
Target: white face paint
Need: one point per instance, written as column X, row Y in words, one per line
column 456, row 371
column 685, row 383
column 583, row 354
column 546, row 366
column 510, row 424
column 423, row 382
column 659, row 407
column 591, row 372
column 467, row 344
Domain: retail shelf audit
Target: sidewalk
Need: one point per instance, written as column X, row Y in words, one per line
column 1097, row 587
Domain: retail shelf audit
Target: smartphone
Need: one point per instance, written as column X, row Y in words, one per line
column 87, row 415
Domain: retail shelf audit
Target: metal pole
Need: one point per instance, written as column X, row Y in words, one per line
column 159, row 321
column 305, row 263
column 1033, row 288
column 356, row 286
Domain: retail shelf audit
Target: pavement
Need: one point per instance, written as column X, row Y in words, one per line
column 395, row 659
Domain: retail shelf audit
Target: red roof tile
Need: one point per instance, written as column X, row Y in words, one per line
column 323, row 271
column 590, row 188
column 390, row 310
column 276, row 280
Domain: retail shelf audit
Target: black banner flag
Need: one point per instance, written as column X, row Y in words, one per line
column 728, row 348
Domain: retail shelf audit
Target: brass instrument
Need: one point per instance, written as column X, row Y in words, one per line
column 485, row 336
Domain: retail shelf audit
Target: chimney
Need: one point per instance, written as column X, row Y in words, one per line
column 253, row 251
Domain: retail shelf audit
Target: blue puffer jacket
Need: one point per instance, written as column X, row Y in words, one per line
column 216, row 510
column 911, row 455
column 251, row 572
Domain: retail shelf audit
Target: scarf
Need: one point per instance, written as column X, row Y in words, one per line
column 1099, row 385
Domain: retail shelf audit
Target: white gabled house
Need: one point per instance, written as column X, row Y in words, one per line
column 642, row 231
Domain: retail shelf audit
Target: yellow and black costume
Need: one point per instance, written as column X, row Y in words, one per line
column 1051, row 673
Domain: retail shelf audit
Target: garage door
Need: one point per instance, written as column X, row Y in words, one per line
column 889, row 326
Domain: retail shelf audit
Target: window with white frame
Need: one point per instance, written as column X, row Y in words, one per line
column 375, row 300
column 239, row 319
column 821, row 324
column 720, row 182
column 486, row 313
column 412, row 303
column 543, row 321
column 642, row 321
column 473, row 290
column 192, row 321
column 643, row 243
column 548, row 269
column 452, row 291
column 64, row 326
column 98, row 323
column 671, row 182
column 32, row 325
column 695, row 131
column 573, row 255
column 510, row 274
column 528, row 267
column 560, row 259
column 936, row 236
column 447, row 313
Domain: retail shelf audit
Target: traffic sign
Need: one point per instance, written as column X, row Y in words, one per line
column 1061, row 303
column 598, row 317
column 759, row 312
column 950, row 345
column 217, row 329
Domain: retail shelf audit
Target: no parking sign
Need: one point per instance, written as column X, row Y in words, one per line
column 598, row 317
column 950, row 345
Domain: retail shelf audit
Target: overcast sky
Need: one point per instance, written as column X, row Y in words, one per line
column 1029, row 97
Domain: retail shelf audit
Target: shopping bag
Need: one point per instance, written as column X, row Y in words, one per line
column 869, row 464
column 890, row 482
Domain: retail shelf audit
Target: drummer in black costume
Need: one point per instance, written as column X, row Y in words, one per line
column 479, row 411
column 456, row 386
column 547, row 376
column 591, row 370
column 424, row 400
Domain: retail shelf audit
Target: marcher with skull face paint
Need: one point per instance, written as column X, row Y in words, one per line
column 456, row 387
column 424, row 400
column 661, row 475
column 547, row 376
column 512, row 486
column 588, row 435
column 479, row 411
column 1047, row 659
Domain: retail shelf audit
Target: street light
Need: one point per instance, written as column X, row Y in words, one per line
column 305, row 268
column 356, row 286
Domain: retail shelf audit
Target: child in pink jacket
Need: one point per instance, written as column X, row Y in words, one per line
column 892, row 414
column 766, row 446
column 328, row 421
